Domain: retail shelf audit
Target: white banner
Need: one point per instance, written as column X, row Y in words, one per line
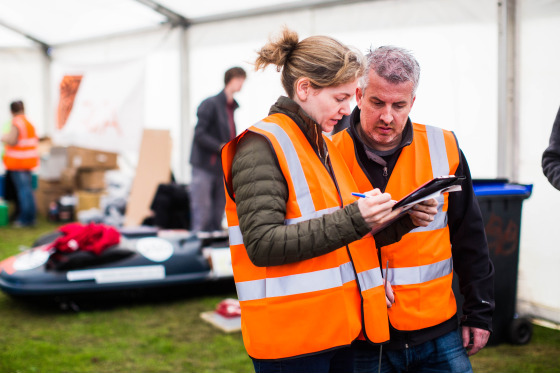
column 107, row 112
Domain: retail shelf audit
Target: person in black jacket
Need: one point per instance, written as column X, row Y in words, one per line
column 383, row 136
column 215, row 127
column 551, row 156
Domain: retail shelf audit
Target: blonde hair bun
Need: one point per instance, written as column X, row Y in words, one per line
column 322, row 59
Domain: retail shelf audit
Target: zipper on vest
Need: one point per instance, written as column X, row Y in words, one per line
column 385, row 173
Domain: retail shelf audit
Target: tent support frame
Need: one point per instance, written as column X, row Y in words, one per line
column 508, row 141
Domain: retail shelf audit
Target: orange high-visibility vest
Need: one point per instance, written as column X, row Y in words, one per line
column 24, row 155
column 312, row 305
column 420, row 264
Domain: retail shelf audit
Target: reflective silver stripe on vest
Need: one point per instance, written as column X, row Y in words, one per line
column 370, row 279
column 307, row 217
column 440, row 167
column 28, row 142
column 295, row 284
column 301, row 188
column 438, row 152
column 420, row 274
column 235, row 237
column 22, row 154
column 440, row 219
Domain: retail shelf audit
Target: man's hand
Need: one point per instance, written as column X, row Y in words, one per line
column 376, row 208
column 423, row 213
column 389, row 295
column 480, row 338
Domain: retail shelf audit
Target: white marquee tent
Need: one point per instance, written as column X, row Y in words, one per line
column 489, row 72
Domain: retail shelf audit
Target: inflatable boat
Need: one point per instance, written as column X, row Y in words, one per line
column 143, row 258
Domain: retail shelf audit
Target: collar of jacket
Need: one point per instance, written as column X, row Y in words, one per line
column 222, row 97
column 307, row 125
column 408, row 135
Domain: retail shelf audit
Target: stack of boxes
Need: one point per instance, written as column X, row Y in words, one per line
column 75, row 171
column 86, row 171
column 50, row 188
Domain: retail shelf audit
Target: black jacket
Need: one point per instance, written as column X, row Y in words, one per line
column 212, row 131
column 470, row 253
column 551, row 156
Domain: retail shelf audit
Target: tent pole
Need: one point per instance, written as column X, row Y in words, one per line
column 185, row 127
column 48, row 114
column 508, row 94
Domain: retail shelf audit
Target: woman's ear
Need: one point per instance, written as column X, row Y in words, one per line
column 303, row 86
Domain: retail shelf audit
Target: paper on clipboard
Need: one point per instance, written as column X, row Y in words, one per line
column 429, row 190
column 432, row 196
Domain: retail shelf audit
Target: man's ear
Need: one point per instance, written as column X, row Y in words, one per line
column 359, row 97
column 303, row 89
column 413, row 99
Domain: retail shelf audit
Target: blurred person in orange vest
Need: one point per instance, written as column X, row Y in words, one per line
column 304, row 260
column 20, row 158
column 383, row 148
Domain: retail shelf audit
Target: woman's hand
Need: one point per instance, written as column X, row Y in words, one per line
column 376, row 208
column 423, row 214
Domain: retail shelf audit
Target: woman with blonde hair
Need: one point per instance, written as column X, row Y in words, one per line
column 305, row 264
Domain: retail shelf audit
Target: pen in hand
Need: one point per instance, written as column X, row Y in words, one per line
column 358, row 194
column 363, row 195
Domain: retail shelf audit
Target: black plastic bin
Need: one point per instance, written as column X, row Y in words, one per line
column 500, row 203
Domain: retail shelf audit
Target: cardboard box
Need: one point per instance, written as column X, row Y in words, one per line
column 44, row 198
column 49, row 191
column 53, row 163
column 51, row 185
column 83, row 158
column 88, row 199
column 45, row 145
column 69, row 179
column 91, row 179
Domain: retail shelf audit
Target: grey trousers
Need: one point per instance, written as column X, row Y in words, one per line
column 208, row 200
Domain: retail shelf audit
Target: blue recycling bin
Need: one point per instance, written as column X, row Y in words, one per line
column 501, row 204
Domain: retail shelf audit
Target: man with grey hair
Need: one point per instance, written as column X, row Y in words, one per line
column 385, row 150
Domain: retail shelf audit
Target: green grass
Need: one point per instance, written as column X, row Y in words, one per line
column 164, row 333
column 541, row 355
column 143, row 333
column 164, row 337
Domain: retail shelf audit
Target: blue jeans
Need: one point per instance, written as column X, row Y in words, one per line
column 444, row 355
column 208, row 200
column 24, row 189
column 335, row 361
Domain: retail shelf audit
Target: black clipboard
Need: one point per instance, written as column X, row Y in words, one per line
column 438, row 184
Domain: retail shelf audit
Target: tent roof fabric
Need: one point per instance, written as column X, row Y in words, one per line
column 48, row 23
